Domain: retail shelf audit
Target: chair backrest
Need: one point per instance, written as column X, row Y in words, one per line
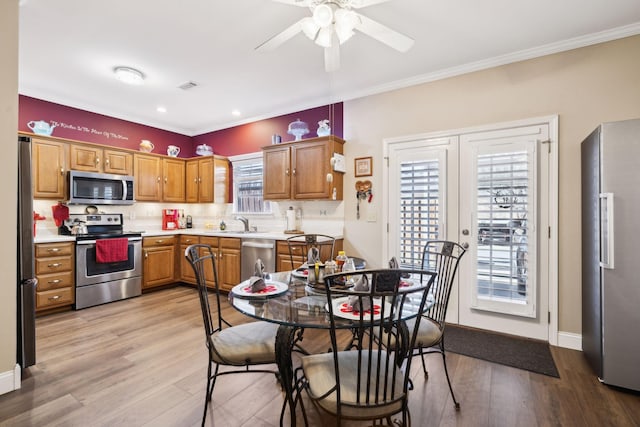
column 443, row 257
column 300, row 244
column 203, row 262
column 382, row 342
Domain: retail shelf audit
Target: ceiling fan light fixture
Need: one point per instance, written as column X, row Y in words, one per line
column 325, row 35
column 310, row 28
column 129, row 75
column 323, row 15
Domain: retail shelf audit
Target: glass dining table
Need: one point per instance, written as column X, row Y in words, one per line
column 295, row 305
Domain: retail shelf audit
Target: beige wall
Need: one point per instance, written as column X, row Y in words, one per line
column 584, row 87
column 9, row 167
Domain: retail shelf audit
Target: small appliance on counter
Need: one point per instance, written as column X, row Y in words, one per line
column 170, row 219
column 292, row 221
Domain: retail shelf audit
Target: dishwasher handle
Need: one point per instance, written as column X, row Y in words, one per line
column 258, row 245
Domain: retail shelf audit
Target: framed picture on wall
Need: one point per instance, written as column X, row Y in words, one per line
column 364, row 166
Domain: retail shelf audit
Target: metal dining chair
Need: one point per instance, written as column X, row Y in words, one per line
column 370, row 379
column 300, row 244
column 241, row 346
column 443, row 257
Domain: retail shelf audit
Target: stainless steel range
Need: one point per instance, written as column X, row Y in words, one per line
column 100, row 281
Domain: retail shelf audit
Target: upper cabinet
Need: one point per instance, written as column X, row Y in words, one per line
column 159, row 179
column 49, row 167
column 95, row 159
column 302, row 170
column 207, row 180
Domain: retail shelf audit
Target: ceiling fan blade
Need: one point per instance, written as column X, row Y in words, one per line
column 384, row 34
column 357, row 4
column 332, row 57
column 281, row 37
column 301, row 3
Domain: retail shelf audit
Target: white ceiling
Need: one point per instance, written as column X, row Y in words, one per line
column 68, row 49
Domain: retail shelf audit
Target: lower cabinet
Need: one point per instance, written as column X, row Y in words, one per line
column 186, row 271
column 159, row 260
column 55, row 271
column 227, row 253
column 283, row 258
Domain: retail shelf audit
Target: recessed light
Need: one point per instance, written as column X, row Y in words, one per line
column 129, row 75
column 161, row 109
column 235, row 113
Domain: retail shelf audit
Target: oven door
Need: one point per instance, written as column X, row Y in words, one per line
column 90, row 272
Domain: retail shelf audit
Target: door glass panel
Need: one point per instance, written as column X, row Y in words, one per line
column 419, row 209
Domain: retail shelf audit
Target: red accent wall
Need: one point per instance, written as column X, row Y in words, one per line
column 250, row 137
column 80, row 125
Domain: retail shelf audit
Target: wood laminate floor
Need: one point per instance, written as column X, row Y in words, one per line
column 142, row 362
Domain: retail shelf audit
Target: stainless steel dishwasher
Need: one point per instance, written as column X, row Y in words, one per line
column 252, row 249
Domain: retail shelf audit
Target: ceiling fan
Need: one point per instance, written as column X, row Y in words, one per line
column 332, row 22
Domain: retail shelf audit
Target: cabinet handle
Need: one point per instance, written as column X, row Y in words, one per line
column 146, row 254
column 97, row 161
column 165, row 179
column 54, row 265
column 286, row 172
column 159, row 241
column 294, row 171
column 54, row 282
column 54, row 298
column 158, row 179
column 53, row 250
column 106, row 162
column 199, row 179
column 195, row 180
column 61, row 171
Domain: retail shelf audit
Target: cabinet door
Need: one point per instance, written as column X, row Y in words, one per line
column 214, row 243
column 158, row 266
column 191, row 181
column 48, row 160
column 228, row 268
column 205, row 180
column 221, row 180
column 173, row 181
column 187, row 274
column 277, row 173
column 311, row 164
column 118, row 162
column 147, row 170
column 86, row 158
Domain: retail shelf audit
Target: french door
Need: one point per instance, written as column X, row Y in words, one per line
column 488, row 190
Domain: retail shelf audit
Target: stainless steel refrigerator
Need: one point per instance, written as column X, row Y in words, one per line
column 611, row 252
column 26, row 303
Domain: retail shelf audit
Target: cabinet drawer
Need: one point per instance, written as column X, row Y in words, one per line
column 55, row 281
column 189, row 240
column 159, row 241
column 53, row 249
column 53, row 265
column 54, row 297
column 211, row 241
column 230, row 242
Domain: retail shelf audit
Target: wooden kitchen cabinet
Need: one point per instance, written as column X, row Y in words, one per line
column 159, row 260
column 283, row 259
column 173, row 180
column 96, row 159
column 186, row 271
column 227, row 252
column 55, row 271
column 159, row 179
column 302, row 170
column 49, row 161
column 220, row 180
column 207, row 180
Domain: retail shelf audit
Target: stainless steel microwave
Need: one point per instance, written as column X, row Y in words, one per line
column 90, row 188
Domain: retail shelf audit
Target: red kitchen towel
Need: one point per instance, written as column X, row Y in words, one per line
column 112, row 250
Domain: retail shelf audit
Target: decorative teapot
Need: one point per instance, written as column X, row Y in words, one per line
column 41, row 127
column 146, row 146
column 173, row 151
column 77, row 227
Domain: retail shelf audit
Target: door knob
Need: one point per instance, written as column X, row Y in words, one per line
column 465, row 246
column 465, row 232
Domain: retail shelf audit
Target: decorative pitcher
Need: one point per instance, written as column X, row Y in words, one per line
column 146, row 146
column 173, row 151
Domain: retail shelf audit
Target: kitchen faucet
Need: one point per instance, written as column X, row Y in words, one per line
column 245, row 221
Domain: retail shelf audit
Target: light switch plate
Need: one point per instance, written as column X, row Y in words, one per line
column 371, row 216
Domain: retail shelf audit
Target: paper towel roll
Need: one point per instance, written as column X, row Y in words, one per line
column 291, row 219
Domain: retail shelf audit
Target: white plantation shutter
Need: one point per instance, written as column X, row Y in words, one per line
column 247, row 185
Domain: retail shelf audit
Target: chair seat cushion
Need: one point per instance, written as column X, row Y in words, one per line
column 320, row 374
column 249, row 343
column 429, row 333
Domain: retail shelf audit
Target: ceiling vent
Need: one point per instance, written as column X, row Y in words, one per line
column 188, row 85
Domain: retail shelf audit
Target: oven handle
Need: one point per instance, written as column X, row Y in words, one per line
column 92, row 242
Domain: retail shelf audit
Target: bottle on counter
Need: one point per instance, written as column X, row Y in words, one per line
column 340, row 260
column 223, row 226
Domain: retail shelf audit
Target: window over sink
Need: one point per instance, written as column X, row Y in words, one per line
column 248, row 184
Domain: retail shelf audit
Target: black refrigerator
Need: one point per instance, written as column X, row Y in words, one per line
column 610, row 257
column 27, row 282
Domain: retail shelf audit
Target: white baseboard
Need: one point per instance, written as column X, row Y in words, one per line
column 570, row 340
column 10, row 380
